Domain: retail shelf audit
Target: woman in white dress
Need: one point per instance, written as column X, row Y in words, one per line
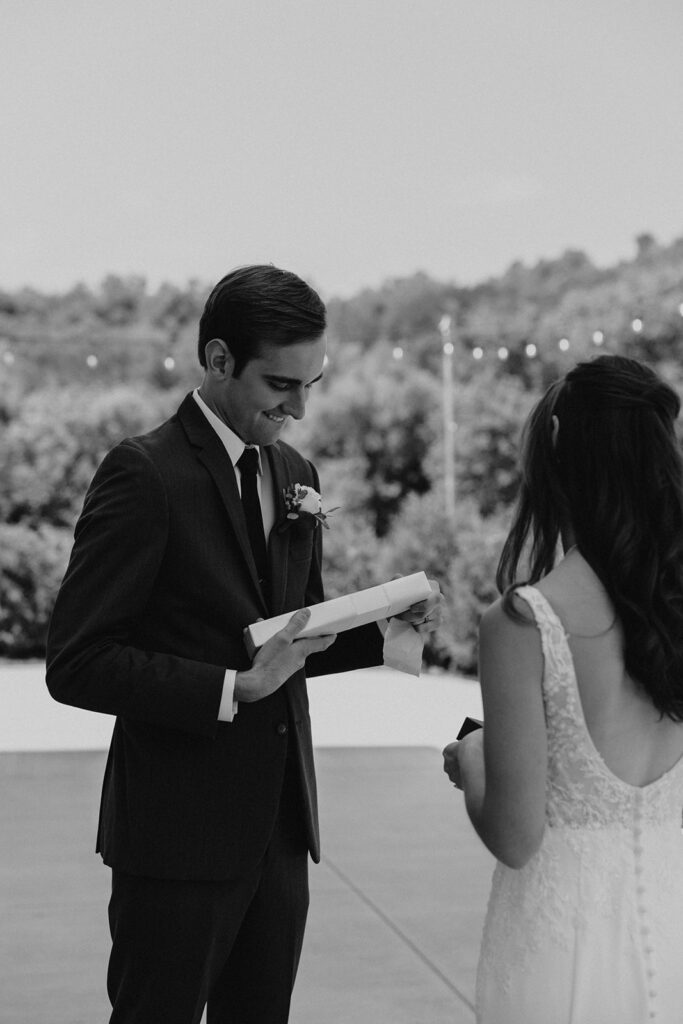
column 575, row 784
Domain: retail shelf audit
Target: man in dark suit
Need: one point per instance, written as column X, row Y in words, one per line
column 208, row 808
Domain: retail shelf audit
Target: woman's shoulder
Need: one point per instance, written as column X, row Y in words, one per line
column 509, row 644
column 507, row 615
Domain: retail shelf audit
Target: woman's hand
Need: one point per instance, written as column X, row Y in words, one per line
column 464, row 762
column 451, row 765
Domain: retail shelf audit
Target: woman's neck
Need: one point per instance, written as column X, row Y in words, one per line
column 568, row 538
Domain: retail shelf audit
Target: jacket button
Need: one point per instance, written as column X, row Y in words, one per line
column 282, row 729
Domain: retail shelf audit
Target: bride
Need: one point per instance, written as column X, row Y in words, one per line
column 575, row 784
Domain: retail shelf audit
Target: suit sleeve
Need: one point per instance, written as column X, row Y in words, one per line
column 119, row 544
column 362, row 647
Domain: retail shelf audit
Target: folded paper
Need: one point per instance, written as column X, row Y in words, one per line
column 346, row 612
column 403, row 647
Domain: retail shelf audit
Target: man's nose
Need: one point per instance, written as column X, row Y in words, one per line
column 295, row 403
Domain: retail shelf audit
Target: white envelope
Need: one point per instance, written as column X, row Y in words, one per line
column 341, row 613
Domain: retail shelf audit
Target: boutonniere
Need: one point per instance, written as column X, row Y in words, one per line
column 302, row 500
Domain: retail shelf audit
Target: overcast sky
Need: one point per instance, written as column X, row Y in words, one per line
column 350, row 141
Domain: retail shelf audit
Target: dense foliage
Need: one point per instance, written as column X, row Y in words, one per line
column 81, row 370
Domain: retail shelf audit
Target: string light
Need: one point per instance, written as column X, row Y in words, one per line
column 92, row 361
column 397, row 353
column 531, row 350
column 169, row 363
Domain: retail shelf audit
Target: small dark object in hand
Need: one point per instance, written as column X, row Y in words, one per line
column 469, row 725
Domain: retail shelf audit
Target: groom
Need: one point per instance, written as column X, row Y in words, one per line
column 208, row 808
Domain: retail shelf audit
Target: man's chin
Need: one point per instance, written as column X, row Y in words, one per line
column 270, row 431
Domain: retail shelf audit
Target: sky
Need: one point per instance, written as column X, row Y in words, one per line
column 351, row 141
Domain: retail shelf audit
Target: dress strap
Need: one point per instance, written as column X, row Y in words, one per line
column 559, row 664
column 545, row 616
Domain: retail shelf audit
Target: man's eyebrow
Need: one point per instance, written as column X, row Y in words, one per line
column 291, row 380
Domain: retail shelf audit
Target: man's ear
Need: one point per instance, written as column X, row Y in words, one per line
column 219, row 360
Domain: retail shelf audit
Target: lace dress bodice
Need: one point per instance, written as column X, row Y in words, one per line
column 583, row 932
column 582, row 792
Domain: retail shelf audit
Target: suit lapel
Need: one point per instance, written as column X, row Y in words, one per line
column 212, row 454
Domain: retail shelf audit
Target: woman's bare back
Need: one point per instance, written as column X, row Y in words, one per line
column 635, row 742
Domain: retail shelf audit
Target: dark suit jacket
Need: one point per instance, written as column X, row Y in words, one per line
column 160, row 586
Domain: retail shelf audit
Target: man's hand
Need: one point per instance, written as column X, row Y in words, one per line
column 278, row 659
column 426, row 615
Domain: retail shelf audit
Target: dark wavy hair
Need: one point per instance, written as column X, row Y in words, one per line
column 260, row 304
column 615, row 475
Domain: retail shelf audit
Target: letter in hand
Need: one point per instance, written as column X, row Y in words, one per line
column 427, row 615
column 279, row 658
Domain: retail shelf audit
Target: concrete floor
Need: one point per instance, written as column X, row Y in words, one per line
column 396, row 905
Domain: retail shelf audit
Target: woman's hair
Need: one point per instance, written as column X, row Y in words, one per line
column 613, row 472
column 260, row 304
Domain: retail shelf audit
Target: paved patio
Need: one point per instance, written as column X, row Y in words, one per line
column 396, row 905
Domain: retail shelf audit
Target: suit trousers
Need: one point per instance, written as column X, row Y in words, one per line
column 232, row 946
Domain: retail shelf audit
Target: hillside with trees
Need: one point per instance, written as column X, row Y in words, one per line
column 81, row 370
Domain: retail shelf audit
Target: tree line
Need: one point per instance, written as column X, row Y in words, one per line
column 81, row 370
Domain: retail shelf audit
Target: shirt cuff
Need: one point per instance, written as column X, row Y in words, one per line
column 228, row 706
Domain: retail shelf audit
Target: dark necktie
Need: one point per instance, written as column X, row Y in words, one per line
column 248, row 467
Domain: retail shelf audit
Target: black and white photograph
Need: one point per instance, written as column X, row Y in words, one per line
column 341, row 512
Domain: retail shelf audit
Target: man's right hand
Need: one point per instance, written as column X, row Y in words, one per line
column 278, row 659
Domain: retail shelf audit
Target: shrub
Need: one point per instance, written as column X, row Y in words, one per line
column 350, row 559
column 461, row 556
column 52, row 447
column 32, row 563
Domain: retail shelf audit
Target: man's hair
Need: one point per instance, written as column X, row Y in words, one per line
column 615, row 474
column 260, row 304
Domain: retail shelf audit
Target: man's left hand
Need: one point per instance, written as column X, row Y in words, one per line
column 426, row 615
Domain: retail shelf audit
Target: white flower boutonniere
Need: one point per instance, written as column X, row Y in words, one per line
column 300, row 499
